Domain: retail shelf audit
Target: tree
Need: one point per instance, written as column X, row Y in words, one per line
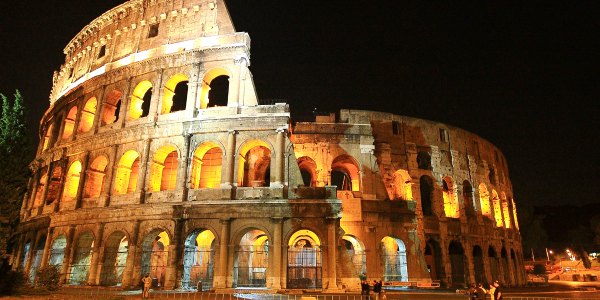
column 15, row 155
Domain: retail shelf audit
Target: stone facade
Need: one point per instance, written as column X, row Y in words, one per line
column 140, row 169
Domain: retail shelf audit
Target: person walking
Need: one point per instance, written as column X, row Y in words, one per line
column 147, row 281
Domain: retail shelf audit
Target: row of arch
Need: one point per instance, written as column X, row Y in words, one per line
column 81, row 118
column 501, row 209
column 205, row 172
column 486, row 266
column 118, row 259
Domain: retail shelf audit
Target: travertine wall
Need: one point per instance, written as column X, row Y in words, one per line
column 132, row 137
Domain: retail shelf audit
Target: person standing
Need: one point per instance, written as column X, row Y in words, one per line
column 497, row 291
column 491, row 291
column 481, row 291
column 377, row 289
column 472, row 292
column 147, row 281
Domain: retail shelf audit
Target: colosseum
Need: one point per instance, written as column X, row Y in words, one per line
column 142, row 168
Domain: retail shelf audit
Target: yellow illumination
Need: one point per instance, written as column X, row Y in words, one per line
column 164, row 169
column 206, row 166
column 505, row 212
column 205, row 239
column 72, row 181
column 349, row 166
column 47, row 137
column 402, row 186
column 39, row 194
column 69, row 123
column 254, row 155
column 484, row 199
column 304, row 234
column 137, row 99
column 127, row 172
column 88, row 113
column 497, row 209
column 94, row 183
column 169, row 92
column 208, row 78
column 514, row 208
column 451, row 208
column 112, row 101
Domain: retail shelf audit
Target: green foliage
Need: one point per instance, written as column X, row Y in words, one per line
column 539, row 269
column 48, row 278
column 15, row 153
column 11, row 282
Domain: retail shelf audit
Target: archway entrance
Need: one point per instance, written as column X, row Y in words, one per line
column 457, row 260
column 115, row 259
column 393, row 257
column 198, row 260
column 478, row 265
column 304, row 261
column 252, row 260
column 57, row 254
column 356, row 252
column 493, row 260
column 82, row 259
column 37, row 258
column 155, row 255
column 433, row 259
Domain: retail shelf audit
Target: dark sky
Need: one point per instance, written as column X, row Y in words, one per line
column 525, row 76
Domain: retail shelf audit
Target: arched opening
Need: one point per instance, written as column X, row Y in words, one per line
column 26, row 249
column 484, row 200
column 127, row 173
column 112, row 107
column 402, row 189
column 57, row 253
column 493, row 262
column 82, row 258
column 155, row 255
column 251, row 260
column 94, row 182
column 37, row 258
column 47, row 137
column 54, row 185
column 86, row 120
column 164, row 169
column 174, row 94
column 514, row 212
column 304, row 261
column 505, row 211
column 497, row 209
column 457, row 261
column 215, row 88
column 308, row 170
column 39, row 190
column 72, row 181
column 426, row 191
column 451, row 207
column 198, row 260
column 468, row 198
column 433, row 259
column 478, row 265
column 115, row 259
column 140, row 101
column 504, row 256
column 356, row 251
column 517, row 277
column 393, row 258
column 255, row 164
column 69, row 123
column 424, row 160
column 345, row 173
column 206, row 166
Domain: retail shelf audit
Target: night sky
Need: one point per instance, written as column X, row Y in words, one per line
column 525, row 76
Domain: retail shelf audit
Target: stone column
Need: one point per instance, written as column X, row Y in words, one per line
column 97, row 251
column 171, row 281
column 228, row 181
column 145, row 169
column 68, row 257
column 331, row 252
column 110, row 177
column 82, row 180
column 511, row 271
column 221, row 274
column 47, row 249
column 17, row 259
column 470, row 263
column 277, row 258
column 128, row 273
column 280, row 159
